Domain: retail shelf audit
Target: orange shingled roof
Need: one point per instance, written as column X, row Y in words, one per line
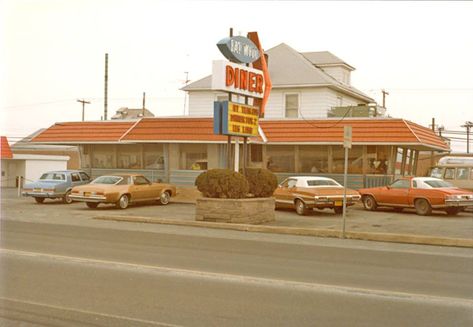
column 388, row 131
column 82, row 132
column 5, row 150
column 189, row 129
column 174, row 129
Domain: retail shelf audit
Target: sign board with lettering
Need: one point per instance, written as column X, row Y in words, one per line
column 231, row 118
column 237, row 79
column 347, row 136
column 239, row 49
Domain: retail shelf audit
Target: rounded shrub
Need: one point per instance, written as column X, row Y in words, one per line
column 262, row 182
column 222, row 183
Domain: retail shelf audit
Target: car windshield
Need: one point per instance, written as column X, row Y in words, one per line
column 107, row 180
column 437, row 183
column 53, row 176
column 322, row 182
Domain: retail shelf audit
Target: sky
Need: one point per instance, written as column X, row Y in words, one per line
column 52, row 53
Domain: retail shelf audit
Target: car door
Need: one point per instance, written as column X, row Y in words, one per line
column 283, row 194
column 141, row 189
column 396, row 194
column 85, row 179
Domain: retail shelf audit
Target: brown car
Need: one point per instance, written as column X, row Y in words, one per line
column 307, row 193
column 121, row 190
column 421, row 193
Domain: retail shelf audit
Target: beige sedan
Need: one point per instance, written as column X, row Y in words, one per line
column 121, row 190
column 305, row 193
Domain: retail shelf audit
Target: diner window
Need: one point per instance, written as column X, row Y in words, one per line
column 462, row 173
column 378, row 159
column 355, row 159
column 449, row 173
column 291, row 105
column 280, row 158
column 103, row 156
column 153, row 156
column 129, row 156
column 256, row 152
column 84, row 152
column 471, row 174
column 313, row 158
column 193, row 156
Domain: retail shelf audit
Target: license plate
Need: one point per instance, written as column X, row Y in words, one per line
column 86, row 193
column 338, row 203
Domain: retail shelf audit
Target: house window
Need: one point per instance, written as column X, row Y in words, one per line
column 292, row 105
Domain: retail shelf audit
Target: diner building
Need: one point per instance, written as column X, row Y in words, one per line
column 299, row 135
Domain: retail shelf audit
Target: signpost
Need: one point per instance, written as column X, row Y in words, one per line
column 347, row 136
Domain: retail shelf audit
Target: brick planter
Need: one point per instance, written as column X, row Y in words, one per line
column 240, row 211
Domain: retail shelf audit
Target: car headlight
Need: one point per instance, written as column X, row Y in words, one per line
column 453, row 197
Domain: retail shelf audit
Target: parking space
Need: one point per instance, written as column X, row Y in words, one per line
column 358, row 219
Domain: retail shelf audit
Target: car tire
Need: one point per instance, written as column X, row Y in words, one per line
column 92, row 205
column 423, row 207
column 164, row 198
column 66, row 199
column 453, row 211
column 338, row 210
column 39, row 200
column 369, row 203
column 301, row 208
column 123, row 202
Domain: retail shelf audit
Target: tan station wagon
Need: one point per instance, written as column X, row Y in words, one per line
column 308, row 192
column 121, row 190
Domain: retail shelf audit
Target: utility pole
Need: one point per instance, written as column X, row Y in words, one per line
column 83, row 106
column 185, row 93
column 105, row 98
column 384, row 97
column 468, row 125
column 144, row 99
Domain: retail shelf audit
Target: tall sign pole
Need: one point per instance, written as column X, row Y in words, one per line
column 347, row 137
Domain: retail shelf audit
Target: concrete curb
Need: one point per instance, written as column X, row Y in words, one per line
column 379, row 237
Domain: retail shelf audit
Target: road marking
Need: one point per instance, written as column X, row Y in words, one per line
column 7, row 303
column 259, row 281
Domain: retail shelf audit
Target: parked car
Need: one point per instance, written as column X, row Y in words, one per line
column 422, row 193
column 55, row 184
column 121, row 190
column 306, row 193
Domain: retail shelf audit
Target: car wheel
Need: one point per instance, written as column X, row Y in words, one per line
column 123, row 202
column 92, row 205
column 301, row 207
column 423, row 207
column 67, row 199
column 338, row 210
column 453, row 211
column 164, row 198
column 39, row 200
column 369, row 203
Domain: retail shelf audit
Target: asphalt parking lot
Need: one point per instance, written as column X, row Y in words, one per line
column 358, row 219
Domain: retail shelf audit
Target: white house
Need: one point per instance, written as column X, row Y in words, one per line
column 305, row 85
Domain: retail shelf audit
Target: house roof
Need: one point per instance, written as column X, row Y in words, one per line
column 289, row 68
column 5, row 151
column 325, row 58
column 389, row 131
column 84, row 132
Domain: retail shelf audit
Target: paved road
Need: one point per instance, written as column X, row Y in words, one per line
column 68, row 274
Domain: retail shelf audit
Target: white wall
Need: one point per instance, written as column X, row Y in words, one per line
column 35, row 168
column 12, row 169
column 313, row 102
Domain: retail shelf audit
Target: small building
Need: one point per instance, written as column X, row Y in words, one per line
column 27, row 166
column 129, row 114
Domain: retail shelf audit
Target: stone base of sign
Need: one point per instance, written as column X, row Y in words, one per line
column 238, row 211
